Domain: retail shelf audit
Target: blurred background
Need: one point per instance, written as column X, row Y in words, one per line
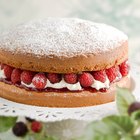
column 123, row 14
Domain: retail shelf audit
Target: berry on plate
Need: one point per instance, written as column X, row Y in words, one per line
column 20, row 129
column 36, row 126
column 134, row 107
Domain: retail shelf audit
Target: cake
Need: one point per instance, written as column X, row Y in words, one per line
column 63, row 62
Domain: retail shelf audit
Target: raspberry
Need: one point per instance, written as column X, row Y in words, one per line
column 27, row 76
column 99, row 75
column 39, row 81
column 15, row 76
column 124, row 68
column 8, row 71
column 111, row 73
column 54, row 78
column 133, row 107
column 20, row 129
column 71, row 78
column 36, row 126
column 86, row 79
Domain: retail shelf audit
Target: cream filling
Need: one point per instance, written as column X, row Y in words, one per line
column 2, row 75
column 62, row 84
column 99, row 85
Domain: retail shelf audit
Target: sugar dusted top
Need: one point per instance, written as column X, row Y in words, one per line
column 61, row 37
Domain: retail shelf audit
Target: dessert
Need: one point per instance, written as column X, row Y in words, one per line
column 63, row 62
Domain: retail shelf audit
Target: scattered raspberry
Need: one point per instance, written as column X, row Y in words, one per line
column 39, row 81
column 124, row 68
column 71, row 78
column 54, row 78
column 20, row 129
column 8, row 71
column 134, row 107
column 15, row 76
column 99, row 75
column 111, row 73
column 27, row 76
column 86, row 79
column 36, row 126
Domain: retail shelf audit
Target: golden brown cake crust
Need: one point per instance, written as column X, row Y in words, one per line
column 75, row 64
column 69, row 46
column 55, row 99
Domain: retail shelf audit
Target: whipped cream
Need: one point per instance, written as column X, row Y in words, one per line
column 2, row 75
column 99, row 85
column 63, row 84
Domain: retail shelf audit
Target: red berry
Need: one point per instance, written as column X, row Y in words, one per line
column 135, row 106
column 71, row 78
column 100, row 76
column 111, row 73
column 36, row 126
column 27, row 76
column 124, row 68
column 8, row 71
column 15, row 76
column 20, row 129
column 86, row 79
column 54, row 78
column 39, row 81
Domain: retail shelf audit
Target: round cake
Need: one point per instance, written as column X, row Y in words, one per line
column 63, row 62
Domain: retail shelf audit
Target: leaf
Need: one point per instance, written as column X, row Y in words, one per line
column 50, row 138
column 135, row 115
column 123, row 99
column 96, row 126
column 127, row 138
column 6, row 123
column 41, row 136
column 107, row 137
column 101, row 131
column 122, row 124
column 110, row 128
column 137, row 137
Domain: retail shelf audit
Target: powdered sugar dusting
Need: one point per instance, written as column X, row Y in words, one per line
column 61, row 37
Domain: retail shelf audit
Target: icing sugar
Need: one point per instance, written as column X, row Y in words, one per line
column 61, row 37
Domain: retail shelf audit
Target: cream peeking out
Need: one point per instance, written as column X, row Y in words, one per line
column 73, row 82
